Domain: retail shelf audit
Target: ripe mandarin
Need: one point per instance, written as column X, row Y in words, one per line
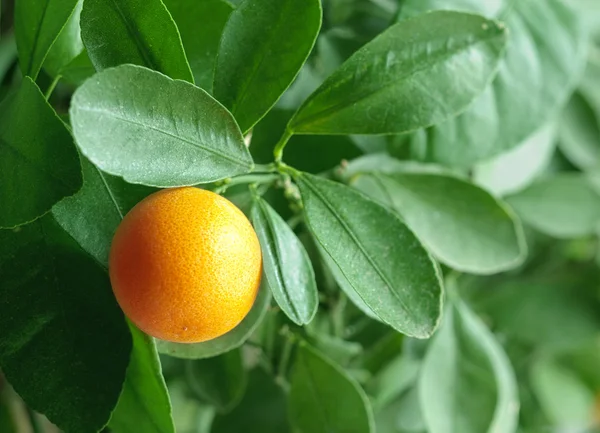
column 185, row 265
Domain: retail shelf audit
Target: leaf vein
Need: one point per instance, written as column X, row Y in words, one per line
column 371, row 262
column 270, row 227
column 205, row 148
column 369, row 93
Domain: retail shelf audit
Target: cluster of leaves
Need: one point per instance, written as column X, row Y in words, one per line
column 386, row 152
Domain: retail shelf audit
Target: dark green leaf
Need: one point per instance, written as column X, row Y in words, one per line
column 37, row 25
column 144, row 405
column 8, row 423
column 378, row 255
column 39, row 164
column 232, row 340
column 201, row 42
column 262, row 410
column 91, row 218
column 324, row 399
column 264, row 45
column 564, row 206
column 92, row 215
column 417, row 73
column 301, row 149
column 584, row 361
column 467, row 384
column 67, row 46
column 64, row 345
column 8, row 54
column 79, row 69
column 462, row 225
column 546, row 53
column 141, row 125
column 382, row 347
column 140, row 32
column 286, row 264
column 220, row 381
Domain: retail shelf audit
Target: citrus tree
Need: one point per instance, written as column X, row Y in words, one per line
column 423, row 182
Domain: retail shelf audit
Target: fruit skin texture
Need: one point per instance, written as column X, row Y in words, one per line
column 185, row 265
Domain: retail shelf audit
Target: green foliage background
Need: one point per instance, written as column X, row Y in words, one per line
column 423, row 176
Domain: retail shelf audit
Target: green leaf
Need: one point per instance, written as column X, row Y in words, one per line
column 8, row 54
column 324, row 399
column 140, row 32
column 79, row 69
column 13, row 410
column 588, row 85
column 39, row 164
column 417, row 73
column 220, row 381
column 91, row 218
column 286, row 264
column 563, row 206
column 250, row 416
column 201, row 42
column 37, row 25
column 580, row 133
column 542, row 302
column 93, row 214
column 394, row 380
column 8, row 418
column 565, row 399
column 67, row 46
column 464, row 360
column 232, row 340
column 462, row 225
column 64, row 345
column 546, row 53
column 402, row 416
column 584, row 361
column 189, row 415
column 144, row 405
column 516, row 169
column 141, row 125
column 336, row 349
column 264, row 45
column 345, row 285
column 363, row 238
column 301, row 149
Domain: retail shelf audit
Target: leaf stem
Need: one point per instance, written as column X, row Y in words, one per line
column 286, row 169
column 278, row 151
column 337, row 316
column 253, row 178
column 285, row 356
column 264, row 168
column 52, row 87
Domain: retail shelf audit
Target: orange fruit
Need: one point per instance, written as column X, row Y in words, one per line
column 185, row 265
